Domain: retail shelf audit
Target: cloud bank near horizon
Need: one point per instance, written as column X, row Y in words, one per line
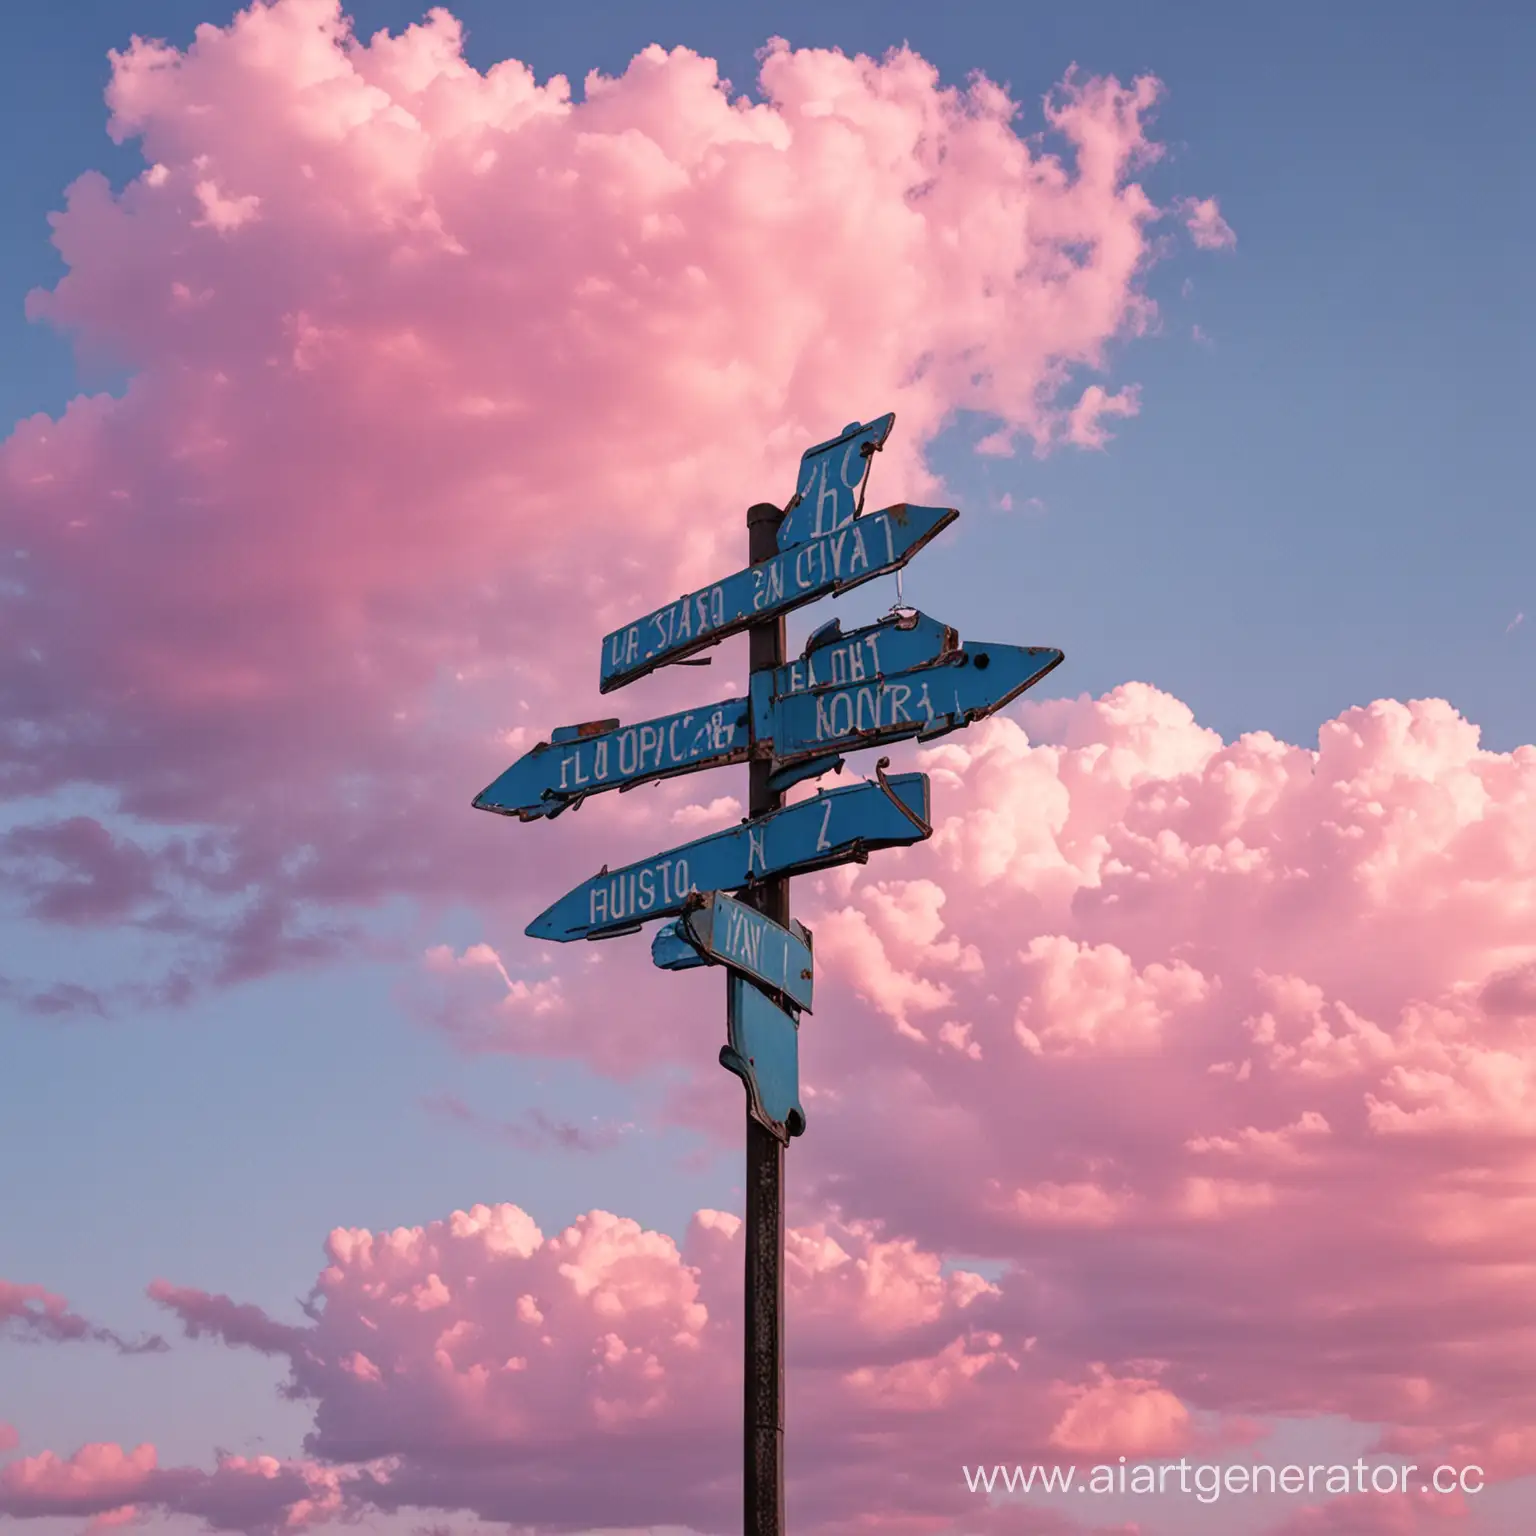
column 1221, row 1051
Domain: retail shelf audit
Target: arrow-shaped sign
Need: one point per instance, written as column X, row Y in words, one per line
column 718, row 929
column 869, row 546
column 844, row 693
column 907, row 675
column 581, row 760
column 837, row 826
column 764, row 1052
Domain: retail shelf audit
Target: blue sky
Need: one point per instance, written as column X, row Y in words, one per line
column 1324, row 503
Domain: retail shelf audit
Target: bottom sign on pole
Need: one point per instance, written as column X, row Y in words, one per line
column 718, row 929
column 764, row 1052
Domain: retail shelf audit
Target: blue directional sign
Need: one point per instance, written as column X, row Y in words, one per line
column 899, row 642
column 869, row 546
column 580, row 760
column 842, row 696
column 764, row 1052
column 837, row 826
column 716, row 928
column 830, row 490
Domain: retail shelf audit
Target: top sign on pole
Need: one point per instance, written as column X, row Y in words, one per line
column 830, row 491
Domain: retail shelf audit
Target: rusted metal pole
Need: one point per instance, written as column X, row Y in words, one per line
column 763, row 1473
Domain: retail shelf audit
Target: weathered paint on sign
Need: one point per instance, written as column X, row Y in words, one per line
column 870, row 546
column 835, row 827
column 764, row 1052
column 850, row 707
column 718, row 928
column 830, row 490
column 899, row 642
column 583, row 760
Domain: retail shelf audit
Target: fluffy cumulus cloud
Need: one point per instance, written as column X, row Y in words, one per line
column 410, row 345
column 1228, row 1049
column 590, row 1379
column 1253, row 1023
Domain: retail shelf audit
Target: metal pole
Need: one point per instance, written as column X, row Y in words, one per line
column 763, row 1474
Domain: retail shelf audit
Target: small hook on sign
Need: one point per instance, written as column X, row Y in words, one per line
column 896, row 800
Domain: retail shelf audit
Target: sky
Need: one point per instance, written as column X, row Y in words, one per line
column 1177, row 1098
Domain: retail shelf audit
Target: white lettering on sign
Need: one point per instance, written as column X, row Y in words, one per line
column 687, row 619
column 624, row 646
column 676, row 724
column 630, row 894
column 756, row 853
column 821, row 836
column 819, row 482
column 875, row 707
column 835, row 664
column 767, row 583
column 744, row 937
column 651, row 747
column 807, row 564
column 825, row 521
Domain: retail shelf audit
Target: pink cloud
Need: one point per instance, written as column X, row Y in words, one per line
column 235, row 1323
column 9, row 1439
column 1246, row 993
column 1084, row 426
column 1131, row 1417
column 31, row 1312
column 534, row 1131
column 1251, row 1021
column 1373, row 1514
column 591, row 1377
column 432, row 372
column 259, row 1495
column 1207, row 228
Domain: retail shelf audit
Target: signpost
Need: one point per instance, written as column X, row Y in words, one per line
column 907, row 676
